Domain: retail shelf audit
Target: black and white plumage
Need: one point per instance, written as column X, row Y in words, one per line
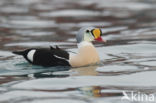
column 46, row 57
column 86, row 54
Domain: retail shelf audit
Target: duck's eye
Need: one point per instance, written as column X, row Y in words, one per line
column 87, row 31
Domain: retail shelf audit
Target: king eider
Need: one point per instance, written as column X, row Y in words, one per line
column 86, row 55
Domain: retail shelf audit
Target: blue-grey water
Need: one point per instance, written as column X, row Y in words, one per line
column 128, row 59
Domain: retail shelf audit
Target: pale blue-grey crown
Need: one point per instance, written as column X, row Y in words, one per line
column 81, row 32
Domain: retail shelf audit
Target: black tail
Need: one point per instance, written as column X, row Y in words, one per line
column 19, row 52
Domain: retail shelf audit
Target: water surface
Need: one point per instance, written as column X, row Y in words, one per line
column 128, row 59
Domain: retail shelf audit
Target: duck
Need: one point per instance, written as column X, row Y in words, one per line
column 55, row 56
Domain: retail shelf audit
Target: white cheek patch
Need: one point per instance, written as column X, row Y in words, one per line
column 88, row 37
column 30, row 55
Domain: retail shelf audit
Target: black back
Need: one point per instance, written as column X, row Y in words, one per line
column 47, row 57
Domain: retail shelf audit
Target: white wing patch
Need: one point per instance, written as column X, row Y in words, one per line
column 30, row 55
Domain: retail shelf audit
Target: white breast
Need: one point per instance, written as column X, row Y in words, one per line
column 87, row 54
column 30, row 55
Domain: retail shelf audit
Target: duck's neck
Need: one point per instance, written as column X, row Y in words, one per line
column 87, row 54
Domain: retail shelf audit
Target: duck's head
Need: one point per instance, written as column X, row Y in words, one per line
column 89, row 34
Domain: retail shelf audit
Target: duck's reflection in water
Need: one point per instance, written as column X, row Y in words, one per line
column 33, row 71
column 84, row 71
column 50, row 72
column 97, row 91
column 65, row 72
